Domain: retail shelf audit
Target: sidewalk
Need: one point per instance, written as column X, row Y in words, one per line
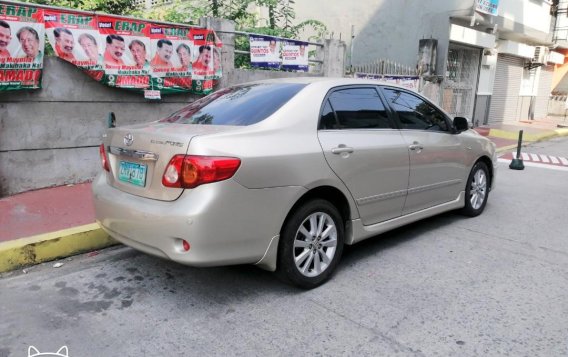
column 48, row 224
column 53, row 223
column 505, row 136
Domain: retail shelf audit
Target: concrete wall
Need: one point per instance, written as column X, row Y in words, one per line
column 50, row 137
column 386, row 28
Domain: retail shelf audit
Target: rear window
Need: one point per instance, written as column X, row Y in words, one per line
column 239, row 105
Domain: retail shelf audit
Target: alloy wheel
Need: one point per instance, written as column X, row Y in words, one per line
column 478, row 189
column 315, row 244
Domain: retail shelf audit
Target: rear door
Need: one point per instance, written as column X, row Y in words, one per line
column 437, row 158
column 365, row 150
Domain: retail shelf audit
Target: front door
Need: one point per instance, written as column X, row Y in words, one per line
column 437, row 158
column 366, row 151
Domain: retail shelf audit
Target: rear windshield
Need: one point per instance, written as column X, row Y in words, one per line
column 239, row 105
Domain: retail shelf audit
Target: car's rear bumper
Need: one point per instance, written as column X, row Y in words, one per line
column 224, row 222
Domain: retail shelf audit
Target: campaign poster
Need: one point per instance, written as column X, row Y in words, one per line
column 22, row 45
column 75, row 39
column 265, row 51
column 127, row 52
column 171, row 58
column 295, row 56
column 376, row 77
column 408, row 82
column 206, row 66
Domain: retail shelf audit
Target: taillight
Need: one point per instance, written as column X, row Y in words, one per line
column 104, row 160
column 189, row 171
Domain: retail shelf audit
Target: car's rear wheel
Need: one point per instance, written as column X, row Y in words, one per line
column 477, row 190
column 311, row 243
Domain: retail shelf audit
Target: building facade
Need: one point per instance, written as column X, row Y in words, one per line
column 495, row 59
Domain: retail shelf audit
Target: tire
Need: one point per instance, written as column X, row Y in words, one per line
column 476, row 190
column 305, row 258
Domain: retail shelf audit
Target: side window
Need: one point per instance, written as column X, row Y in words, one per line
column 355, row 108
column 415, row 113
column 328, row 120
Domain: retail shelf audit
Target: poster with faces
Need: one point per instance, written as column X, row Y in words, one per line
column 114, row 50
column 295, row 56
column 265, row 51
column 22, row 43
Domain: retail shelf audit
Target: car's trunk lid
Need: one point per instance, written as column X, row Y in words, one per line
column 138, row 155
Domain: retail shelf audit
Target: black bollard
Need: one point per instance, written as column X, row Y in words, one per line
column 517, row 163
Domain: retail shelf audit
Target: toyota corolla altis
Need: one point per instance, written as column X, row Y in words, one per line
column 284, row 173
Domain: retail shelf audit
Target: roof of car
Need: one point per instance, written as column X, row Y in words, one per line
column 332, row 81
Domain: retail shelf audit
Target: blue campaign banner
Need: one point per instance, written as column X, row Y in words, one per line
column 490, row 7
column 295, row 56
column 265, row 51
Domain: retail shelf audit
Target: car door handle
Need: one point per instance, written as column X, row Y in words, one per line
column 415, row 147
column 342, row 149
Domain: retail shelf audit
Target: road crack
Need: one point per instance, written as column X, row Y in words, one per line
column 377, row 334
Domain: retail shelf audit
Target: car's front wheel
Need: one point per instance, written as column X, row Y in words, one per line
column 311, row 243
column 477, row 190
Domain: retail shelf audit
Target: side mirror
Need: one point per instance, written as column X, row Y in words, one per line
column 461, row 124
column 111, row 120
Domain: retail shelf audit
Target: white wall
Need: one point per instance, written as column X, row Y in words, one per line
column 533, row 13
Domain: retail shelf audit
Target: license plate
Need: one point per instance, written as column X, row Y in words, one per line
column 132, row 173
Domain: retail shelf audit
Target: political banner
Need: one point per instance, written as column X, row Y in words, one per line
column 408, row 82
column 21, row 47
column 171, row 59
column 126, row 52
column 206, row 66
column 136, row 54
column 295, row 56
column 265, row 51
column 75, row 38
column 117, row 51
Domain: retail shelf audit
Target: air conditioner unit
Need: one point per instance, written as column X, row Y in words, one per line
column 540, row 55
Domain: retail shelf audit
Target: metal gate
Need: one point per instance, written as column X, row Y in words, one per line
column 505, row 99
column 460, row 81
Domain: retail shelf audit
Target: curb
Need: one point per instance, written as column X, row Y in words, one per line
column 50, row 246
column 511, row 135
column 504, row 134
column 562, row 132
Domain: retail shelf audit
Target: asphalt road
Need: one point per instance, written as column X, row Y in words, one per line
column 446, row 286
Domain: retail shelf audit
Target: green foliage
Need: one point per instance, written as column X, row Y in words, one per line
column 180, row 11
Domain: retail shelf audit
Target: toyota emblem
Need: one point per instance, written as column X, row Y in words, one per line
column 128, row 139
